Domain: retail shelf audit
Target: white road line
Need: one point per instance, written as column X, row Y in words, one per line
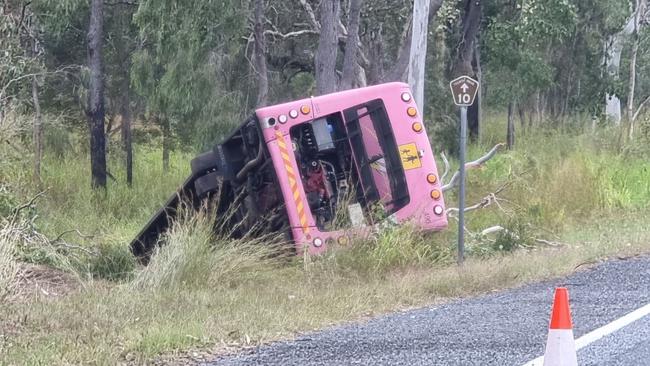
column 603, row 331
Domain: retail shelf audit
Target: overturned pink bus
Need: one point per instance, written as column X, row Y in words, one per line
column 319, row 170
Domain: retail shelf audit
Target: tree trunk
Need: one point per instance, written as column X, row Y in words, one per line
column 399, row 70
column 95, row 110
column 166, row 142
column 376, row 55
column 479, row 96
column 510, row 137
column 401, row 66
column 260, row 56
column 37, row 131
column 125, row 107
column 418, row 51
column 127, row 144
column 522, row 118
column 325, row 60
column 350, row 64
column 632, row 83
column 613, row 50
column 463, row 65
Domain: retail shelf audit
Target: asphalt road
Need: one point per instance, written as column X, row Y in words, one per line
column 505, row 328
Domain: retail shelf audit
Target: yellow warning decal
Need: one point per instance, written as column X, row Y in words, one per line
column 293, row 182
column 410, row 156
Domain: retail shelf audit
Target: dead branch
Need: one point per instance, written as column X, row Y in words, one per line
column 29, row 203
column 472, row 165
column 290, row 34
column 71, row 247
column 25, row 76
column 492, row 230
column 485, row 201
column 549, row 243
column 638, row 111
column 79, row 234
column 447, row 168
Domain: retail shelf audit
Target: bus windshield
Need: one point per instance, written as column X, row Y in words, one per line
column 376, row 155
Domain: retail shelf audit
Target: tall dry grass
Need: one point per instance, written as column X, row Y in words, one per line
column 194, row 256
column 9, row 266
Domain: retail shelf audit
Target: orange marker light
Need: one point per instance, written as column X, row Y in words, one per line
column 343, row 240
column 435, row 194
column 417, row 127
column 412, row 112
column 305, row 109
column 431, row 178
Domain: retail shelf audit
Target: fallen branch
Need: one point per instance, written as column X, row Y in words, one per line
column 549, row 243
column 79, row 234
column 29, row 203
column 472, row 165
column 485, row 202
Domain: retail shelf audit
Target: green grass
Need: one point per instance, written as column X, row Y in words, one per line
column 203, row 291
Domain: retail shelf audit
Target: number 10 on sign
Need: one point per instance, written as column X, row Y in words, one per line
column 464, row 90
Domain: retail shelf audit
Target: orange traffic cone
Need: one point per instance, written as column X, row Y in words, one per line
column 560, row 346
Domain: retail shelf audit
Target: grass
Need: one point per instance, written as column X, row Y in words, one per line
column 8, row 261
column 203, row 291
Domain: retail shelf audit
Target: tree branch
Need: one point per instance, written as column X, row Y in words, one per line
column 638, row 111
column 310, row 14
column 472, row 165
column 447, row 168
column 290, row 34
column 25, row 76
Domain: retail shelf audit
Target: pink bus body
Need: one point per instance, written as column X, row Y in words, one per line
column 422, row 210
column 290, row 168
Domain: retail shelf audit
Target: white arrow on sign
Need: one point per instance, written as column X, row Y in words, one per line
column 464, row 87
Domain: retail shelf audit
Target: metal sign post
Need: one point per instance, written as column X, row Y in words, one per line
column 464, row 91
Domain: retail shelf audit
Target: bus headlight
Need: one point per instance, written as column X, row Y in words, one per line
column 437, row 209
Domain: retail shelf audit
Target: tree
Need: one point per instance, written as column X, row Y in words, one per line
column 350, row 63
column 639, row 10
column 124, row 47
column 325, row 60
column 260, row 55
column 465, row 57
column 418, row 52
column 95, row 109
column 613, row 51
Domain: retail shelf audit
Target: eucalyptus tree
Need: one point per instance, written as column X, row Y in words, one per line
column 182, row 54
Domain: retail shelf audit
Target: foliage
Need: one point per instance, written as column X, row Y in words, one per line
column 177, row 69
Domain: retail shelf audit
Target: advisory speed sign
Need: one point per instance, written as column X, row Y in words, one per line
column 464, row 90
